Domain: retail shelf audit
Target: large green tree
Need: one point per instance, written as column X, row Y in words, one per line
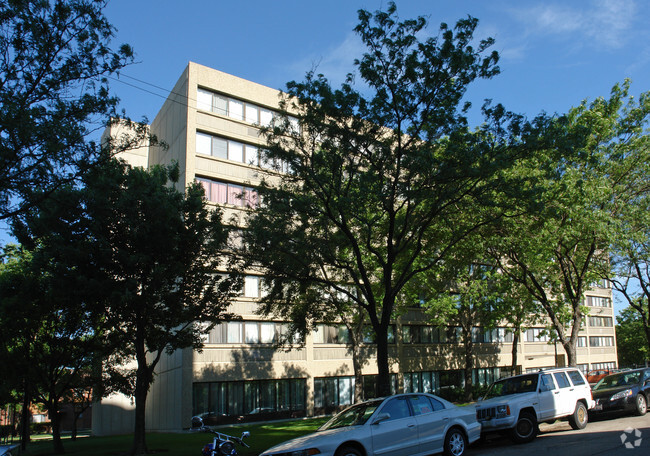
column 556, row 244
column 378, row 177
column 148, row 255
column 54, row 63
column 48, row 338
column 630, row 252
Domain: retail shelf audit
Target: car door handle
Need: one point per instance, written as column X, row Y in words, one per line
column 411, row 425
column 556, row 392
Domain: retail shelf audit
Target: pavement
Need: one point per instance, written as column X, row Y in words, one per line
column 611, row 435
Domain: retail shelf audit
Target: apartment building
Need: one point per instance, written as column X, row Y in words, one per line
column 210, row 123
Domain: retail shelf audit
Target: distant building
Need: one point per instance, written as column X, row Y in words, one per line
column 210, row 124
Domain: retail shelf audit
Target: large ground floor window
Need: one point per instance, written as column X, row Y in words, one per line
column 335, row 393
column 227, row 402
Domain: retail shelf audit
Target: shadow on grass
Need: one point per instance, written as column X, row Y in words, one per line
column 263, row 436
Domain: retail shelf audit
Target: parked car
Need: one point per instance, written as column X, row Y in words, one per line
column 594, row 376
column 400, row 425
column 516, row 405
column 627, row 390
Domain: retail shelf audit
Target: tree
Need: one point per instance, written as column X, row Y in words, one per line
column 149, row 255
column 631, row 342
column 54, row 64
column 17, row 329
column 630, row 252
column 462, row 295
column 375, row 183
column 581, row 176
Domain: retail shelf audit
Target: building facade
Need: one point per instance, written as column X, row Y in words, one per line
column 210, row 123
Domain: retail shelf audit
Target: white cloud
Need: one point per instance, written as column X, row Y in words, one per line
column 597, row 22
column 337, row 62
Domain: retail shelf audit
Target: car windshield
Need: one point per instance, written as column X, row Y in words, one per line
column 621, row 379
column 513, row 385
column 353, row 416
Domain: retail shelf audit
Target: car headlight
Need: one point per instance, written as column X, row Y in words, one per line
column 503, row 411
column 621, row 395
column 307, row 452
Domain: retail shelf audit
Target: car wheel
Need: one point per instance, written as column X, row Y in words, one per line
column 525, row 429
column 455, row 442
column 580, row 417
column 641, row 405
column 348, row 451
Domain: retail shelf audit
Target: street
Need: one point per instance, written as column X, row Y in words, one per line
column 600, row 437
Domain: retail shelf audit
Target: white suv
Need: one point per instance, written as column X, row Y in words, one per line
column 517, row 404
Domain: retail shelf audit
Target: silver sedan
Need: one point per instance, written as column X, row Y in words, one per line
column 415, row 424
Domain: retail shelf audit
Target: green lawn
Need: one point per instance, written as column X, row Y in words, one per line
column 263, row 436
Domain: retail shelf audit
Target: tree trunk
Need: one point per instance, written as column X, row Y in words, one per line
column 55, row 421
column 570, row 348
column 358, row 375
column 383, row 373
column 515, row 343
column 469, row 365
column 141, row 391
column 24, row 419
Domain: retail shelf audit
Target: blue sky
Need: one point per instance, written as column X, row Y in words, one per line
column 553, row 53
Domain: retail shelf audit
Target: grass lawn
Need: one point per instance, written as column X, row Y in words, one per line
column 263, row 436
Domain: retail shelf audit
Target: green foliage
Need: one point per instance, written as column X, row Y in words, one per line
column 631, row 341
column 53, row 93
column 579, row 177
column 137, row 259
column 48, row 341
column 378, row 186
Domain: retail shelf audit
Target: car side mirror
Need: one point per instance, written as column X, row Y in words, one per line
column 381, row 417
column 245, row 434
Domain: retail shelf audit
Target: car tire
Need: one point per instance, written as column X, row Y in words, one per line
column 525, row 429
column 455, row 442
column 348, row 451
column 640, row 405
column 580, row 417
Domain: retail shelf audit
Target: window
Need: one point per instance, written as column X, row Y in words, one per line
column 496, row 335
column 252, row 286
column 331, row 334
column 576, row 378
column 603, row 366
column 267, row 333
column 235, row 109
column 547, row 383
column 227, row 402
column 582, row 341
column 601, row 321
column 252, row 333
column 227, row 193
column 597, row 301
column 422, row 405
column 421, row 382
column 333, row 392
column 537, row 335
column 249, row 332
column 234, row 332
column 601, row 341
column 485, row 376
column 226, row 149
column 562, row 380
column 397, row 408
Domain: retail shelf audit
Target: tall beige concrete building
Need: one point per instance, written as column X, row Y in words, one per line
column 210, row 124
